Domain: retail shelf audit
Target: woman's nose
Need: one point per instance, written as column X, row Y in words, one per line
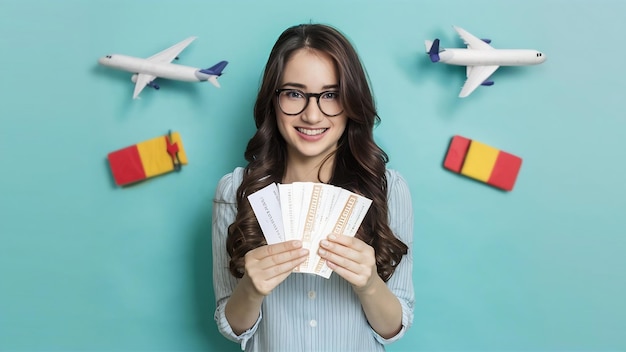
column 312, row 114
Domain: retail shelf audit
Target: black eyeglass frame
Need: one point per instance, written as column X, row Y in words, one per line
column 308, row 96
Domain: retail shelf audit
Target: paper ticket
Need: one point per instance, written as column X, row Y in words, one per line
column 266, row 207
column 308, row 212
column 346, row 220
column 310, row 218
column 289, row 210
column 326, row 196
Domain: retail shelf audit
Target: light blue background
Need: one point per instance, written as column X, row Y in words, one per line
column 85, row 265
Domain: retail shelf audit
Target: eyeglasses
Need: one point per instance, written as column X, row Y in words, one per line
column 294, row 101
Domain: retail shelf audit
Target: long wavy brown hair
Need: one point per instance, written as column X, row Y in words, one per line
column 359, row 163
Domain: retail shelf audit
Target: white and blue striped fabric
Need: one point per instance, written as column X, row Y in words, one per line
column 307, row 312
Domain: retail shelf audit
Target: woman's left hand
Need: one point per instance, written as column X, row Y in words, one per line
column 350, row 258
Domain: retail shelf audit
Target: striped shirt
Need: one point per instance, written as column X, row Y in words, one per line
column 307, row 312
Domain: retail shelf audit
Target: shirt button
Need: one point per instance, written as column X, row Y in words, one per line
column 313, row 323
column 311, row 294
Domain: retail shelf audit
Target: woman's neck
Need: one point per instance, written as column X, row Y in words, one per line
column 308, row 170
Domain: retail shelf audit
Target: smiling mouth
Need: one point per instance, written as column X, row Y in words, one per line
column 310, row 132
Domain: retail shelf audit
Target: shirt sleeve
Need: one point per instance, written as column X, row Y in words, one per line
column 401, row 224
column 224, row 212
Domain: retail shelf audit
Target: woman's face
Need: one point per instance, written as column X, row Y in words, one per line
column 310, row 134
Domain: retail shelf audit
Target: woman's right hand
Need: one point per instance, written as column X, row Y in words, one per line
column 267, row 266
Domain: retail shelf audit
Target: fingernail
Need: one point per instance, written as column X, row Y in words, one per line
column 324, row 243
column 332, row 237
column 297, row 244
column 322, row 251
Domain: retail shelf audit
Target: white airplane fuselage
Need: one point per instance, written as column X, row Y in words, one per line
column 158, row 69
column 497, row 57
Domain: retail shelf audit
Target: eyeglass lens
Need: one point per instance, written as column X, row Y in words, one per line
column 294, row 101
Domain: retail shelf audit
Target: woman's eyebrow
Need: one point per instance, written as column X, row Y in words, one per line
column 295, row 85
column 302, row 86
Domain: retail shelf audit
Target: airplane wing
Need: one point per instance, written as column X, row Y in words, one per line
column 142, row 81
column 476, row 75
column 165, row 56
column 471, row 41
column 172, row 52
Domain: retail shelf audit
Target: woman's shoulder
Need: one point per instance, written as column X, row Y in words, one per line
column 226, row 190
column 398, row 191
column 396, row 184
column 394, row 177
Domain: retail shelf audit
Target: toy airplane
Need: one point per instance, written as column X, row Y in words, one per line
column 480, row 59
column 159, row 65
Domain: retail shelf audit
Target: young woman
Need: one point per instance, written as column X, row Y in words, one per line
column 315, row 116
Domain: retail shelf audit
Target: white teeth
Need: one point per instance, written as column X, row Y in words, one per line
column 312, row 132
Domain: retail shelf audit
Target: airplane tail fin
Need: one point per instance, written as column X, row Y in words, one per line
column 214, row 72
column 215, row 69
column 213, row 80
column 433, row 49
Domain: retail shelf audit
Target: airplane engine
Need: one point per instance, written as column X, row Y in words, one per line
column 153, row 85
column 133, row 78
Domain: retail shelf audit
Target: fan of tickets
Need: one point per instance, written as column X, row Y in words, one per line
column 309, row 212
